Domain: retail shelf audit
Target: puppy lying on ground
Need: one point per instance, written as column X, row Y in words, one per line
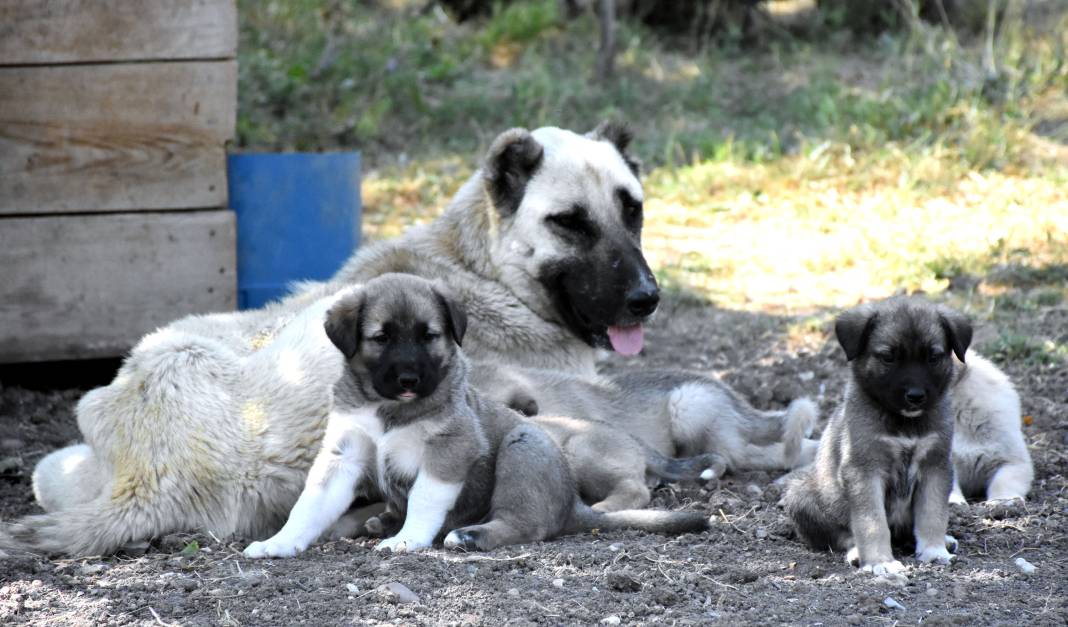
column 883, row 469
column 441, row 455
column 710, row 425
column 990, row 457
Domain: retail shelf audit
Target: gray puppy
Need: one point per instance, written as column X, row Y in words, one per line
column 883, row 469
column 712, row 427
column 441, row 455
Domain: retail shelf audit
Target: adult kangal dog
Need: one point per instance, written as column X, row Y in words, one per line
column 213, row 421
column 442, row 455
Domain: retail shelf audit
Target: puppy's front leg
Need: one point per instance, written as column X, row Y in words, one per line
column 867, row 521
column 429, row 501
column 328, row 492
column 931, row 512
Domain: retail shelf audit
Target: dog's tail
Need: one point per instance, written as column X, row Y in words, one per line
column 797, row 423
column 584, row 518
column 706, row 467
column 93, row 528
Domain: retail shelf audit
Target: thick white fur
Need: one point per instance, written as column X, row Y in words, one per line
column 213, row 421
column 989, row 452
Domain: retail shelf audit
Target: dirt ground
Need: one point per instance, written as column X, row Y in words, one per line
column 749, row 569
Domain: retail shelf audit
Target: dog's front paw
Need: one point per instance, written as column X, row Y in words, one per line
column 272, row 548
column 956, row 498
column 937, row 554
column 883, row 569
column 465, row 539
column 401, row 544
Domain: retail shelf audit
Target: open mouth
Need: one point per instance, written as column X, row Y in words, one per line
column 625, row 339
column 407, row 395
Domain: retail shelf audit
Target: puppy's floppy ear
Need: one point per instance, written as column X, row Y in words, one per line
column 512, row 160
column 853, row 328
column 454, row 316
column 343, row 323
column 619, row 134
column 958, row 330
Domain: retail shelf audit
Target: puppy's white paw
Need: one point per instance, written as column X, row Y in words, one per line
column 935, row 553
column 400, row 544
column 882, row 569
column 852, row 557
column 956, row 498
column 272, row 548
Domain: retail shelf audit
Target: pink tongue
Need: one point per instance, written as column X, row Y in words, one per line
column 626, row 340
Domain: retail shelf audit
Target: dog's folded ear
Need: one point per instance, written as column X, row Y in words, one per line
column 512, row 160
column 958, row 330
column 619, row 134
column 343, row 323
column 853, row 328
column 453, row 314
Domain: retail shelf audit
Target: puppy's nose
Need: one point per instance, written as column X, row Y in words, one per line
column 642, row 301
column 915, row 396
column 408, row 380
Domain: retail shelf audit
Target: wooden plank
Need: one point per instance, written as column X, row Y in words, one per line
column 76, row 31
column 91, row 286
column 121, row 137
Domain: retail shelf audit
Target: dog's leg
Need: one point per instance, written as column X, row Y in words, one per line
column 867, row 521
column 1010, row 482
column 385, row 524
column 956, row 495
column 328, row 491
column 931, row 514
column 626, row 494
column 429, row 501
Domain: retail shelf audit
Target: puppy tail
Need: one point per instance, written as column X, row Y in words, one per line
column 797, row 423
column 706, row 466
column 585, row 518
column 79, row 531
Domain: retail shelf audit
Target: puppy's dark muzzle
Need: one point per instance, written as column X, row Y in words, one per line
column 915, row 397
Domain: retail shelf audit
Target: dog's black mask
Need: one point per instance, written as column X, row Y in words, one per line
column 902, row 350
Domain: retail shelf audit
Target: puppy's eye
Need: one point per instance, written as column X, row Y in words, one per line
column 430, row 336
column 380, row 338
column 885, row 357
column 935, row 356
column 632, row 210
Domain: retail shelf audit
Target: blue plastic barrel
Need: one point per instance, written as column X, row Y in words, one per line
column 298, row 218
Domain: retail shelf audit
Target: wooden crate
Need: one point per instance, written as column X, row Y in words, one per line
column 114, row 118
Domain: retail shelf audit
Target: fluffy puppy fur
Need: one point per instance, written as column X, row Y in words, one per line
column 883, row 469
column 990, row 456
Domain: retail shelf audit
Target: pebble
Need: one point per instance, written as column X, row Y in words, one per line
column 614, row 547
column 513, row 592
column 90, row 569
column 893, row 579
column 931, row 592
column 397, row 593
column 1025, row 566
column 611, row 620
column 754, row 489
column 353, row 588
column 761, row 533
column 892, row 604
column 623, row 582
column 558, row 583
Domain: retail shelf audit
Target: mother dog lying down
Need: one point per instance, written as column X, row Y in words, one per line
column 213, row 421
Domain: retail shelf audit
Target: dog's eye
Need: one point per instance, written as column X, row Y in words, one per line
column 632, row 210
column 935, row 356
column 885, row 357
column 430, row 336
column 380, row 338
column 574, row 221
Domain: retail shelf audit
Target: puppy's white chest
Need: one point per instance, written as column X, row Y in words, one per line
column 400, row 454
column 363, row 418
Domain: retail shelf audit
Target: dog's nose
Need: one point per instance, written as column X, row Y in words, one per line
column 915, row 396
column 642, row 301
column 408, row 380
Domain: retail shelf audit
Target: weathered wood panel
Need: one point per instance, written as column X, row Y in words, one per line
column 122, row 137
column 91, row 286
column 67, row 31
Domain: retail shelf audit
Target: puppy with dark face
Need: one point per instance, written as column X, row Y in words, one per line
column 441, row 455
column 883, row 469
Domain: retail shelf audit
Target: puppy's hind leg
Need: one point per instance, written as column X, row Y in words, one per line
column 532, row 497
column 1011, row 482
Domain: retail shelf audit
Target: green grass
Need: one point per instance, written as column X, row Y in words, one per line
column 802, row 174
